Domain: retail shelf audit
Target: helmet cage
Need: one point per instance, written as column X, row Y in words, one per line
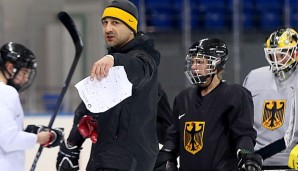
column 280, row 52
column 24, row 85
column 287, row 57
column 199, row 67
column 282, row 60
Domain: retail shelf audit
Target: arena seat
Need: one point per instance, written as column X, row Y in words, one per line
column 270, row 20
column 214, row 20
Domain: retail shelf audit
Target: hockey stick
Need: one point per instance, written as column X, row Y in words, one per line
column 272, row 149
column 78, row 43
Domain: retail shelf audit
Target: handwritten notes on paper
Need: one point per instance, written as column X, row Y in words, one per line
column 101, row 95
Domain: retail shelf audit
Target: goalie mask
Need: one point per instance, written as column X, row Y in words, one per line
column 281, row 52
column 24, row 63
column 205, row 59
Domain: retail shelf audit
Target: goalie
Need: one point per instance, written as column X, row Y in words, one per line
column 274, row 88
column 17, row 71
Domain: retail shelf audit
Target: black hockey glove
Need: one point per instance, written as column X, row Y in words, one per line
column 57, row 134
column 56, row 138
column 167, row 158
column 165, row 162
column 248, row 161
column 34, row 128
column 68, row 157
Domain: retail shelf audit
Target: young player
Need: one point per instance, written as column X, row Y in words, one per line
column 213, row 127
column 274, row 90
column 17, row 71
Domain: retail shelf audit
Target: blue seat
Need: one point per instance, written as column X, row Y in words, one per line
column 248, row 18
column 136, row 2
column 293, row 13
column 294, row 18
column 178, row 4
column 195, row 19
column 214, row 20
column 248, row 13
column 270, row 20
column 50, row 101
column 205, row 5
column 153, row 4
column 161, row 18
column 264, row 5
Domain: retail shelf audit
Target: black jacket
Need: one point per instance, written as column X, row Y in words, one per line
column 164, row 115
column 127, row 138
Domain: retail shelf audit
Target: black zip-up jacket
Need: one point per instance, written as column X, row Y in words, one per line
column 127, row 138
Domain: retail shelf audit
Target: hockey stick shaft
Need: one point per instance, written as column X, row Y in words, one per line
column 75, row 35
column 272, row 149
column 78, row 43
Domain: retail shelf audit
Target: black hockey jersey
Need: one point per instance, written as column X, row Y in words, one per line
column 210, row 129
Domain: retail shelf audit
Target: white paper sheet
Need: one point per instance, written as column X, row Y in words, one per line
column 101, row 95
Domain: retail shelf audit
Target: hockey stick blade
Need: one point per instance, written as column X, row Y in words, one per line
column 78, row 43
column 71, row 27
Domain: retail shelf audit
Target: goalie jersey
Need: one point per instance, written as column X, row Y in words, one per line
column 275, row 111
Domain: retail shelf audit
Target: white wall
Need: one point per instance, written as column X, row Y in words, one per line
column 47, row 160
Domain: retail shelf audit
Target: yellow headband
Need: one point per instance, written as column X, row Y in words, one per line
column 122, row 15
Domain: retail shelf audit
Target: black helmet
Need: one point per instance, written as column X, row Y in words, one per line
column 214, row 51
column 20, row 57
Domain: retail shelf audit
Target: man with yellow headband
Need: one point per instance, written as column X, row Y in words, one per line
column 125, row 136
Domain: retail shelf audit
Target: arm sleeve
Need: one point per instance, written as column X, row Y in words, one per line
column 173, row 134
column 164, row 115
column 241, row 120
column 139, row 66
column 12, row 136
column 75, row 138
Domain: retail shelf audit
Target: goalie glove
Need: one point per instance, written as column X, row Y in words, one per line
column 293, row 158
column 56, row 134
column 68, row 157
column 248, row 161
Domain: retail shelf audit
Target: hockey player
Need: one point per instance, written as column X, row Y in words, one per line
column 274, row 90
column 17, row 71
column 127, row 138
column 213, row 126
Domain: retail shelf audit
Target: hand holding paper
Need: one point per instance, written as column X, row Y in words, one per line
column 101, row 95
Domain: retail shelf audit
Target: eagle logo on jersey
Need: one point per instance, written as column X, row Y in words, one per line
column 273, row 114
column 193, row 136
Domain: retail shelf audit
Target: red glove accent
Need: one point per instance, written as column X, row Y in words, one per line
column 87, row 128
column 51, row 139
column 56, row 137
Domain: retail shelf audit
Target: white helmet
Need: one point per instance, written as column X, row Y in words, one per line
column 281, row 52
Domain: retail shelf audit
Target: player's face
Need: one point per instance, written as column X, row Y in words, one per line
column 116, row 33
column 280, row 58
column 200, row 65
column 22, row 77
